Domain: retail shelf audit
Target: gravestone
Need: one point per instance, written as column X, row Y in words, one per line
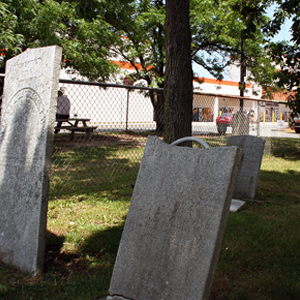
column 240, row 123
column 237, row 205
column 253, row 149
column 171, row 240
column 26, row 137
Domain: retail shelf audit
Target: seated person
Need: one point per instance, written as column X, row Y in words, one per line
column 63, row 109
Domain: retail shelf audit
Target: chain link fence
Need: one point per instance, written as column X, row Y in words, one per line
column 111, row 154
column 107, row 150
column 123, row 117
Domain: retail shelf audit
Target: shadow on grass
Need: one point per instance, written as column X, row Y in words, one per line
column 286, row 148
column 81, row 274
column 277, row 186
column 103, row 242
column 259, row 257
column 93, row 169
column 54, row 244
column 107, row 161
column 97, row 250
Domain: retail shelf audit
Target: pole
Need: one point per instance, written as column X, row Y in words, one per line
column 258, row 119
column 242, row 74
column 127, row 108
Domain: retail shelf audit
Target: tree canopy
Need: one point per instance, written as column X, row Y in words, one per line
column 85, row 42
column 287, row 53
column 92, row 32
column 217, row 28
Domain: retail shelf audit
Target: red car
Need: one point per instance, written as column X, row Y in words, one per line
column 223, row 122
column 224, row 119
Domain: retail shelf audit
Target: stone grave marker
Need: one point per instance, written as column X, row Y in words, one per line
column 240, row 123
column 26, row 136
column 173, row 233
column 253, row 149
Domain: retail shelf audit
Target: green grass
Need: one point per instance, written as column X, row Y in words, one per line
column 260, row 257
column 86, row 169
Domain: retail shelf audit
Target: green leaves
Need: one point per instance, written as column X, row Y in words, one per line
column 217, row 30
column 85, row 39
column 145, row 40
column 93, row 32
column 9, row 40
column 287, row 54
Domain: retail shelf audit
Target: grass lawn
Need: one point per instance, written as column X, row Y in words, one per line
column 260, row 255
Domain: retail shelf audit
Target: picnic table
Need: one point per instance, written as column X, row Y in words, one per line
column 73, row 125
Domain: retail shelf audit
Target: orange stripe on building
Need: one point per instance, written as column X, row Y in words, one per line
column 282, row 96
column 126, row 65
column 222, row 82
column 129, row 66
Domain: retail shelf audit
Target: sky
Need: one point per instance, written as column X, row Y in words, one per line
column 284, row 34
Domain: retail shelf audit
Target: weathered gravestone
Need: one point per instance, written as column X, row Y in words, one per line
column 27, row 126
column 174, row 229
column 240, row 123
column 253, row 149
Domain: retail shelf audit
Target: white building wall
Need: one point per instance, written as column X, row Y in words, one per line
column 111, row 105
column 107, row 105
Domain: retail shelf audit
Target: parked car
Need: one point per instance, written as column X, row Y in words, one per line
column 295, row 124
column 223, row 122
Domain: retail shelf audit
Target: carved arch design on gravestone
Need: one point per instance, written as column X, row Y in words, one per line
column 28, row 111
column 191, row 139
column 16, row 101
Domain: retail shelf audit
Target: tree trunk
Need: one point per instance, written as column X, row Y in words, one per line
column 2, row 70
column 159, row 113
column 179, row 76
column 158, row 102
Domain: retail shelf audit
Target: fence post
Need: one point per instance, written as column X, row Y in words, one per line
column 127, row 108
column 216, row 108
column 258, row 119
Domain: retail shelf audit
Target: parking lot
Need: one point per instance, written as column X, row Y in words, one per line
column 263, row 129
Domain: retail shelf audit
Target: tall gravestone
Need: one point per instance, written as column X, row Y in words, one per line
column 253, row 149
column 27, row 126
column 171, row 241
column 240, row 123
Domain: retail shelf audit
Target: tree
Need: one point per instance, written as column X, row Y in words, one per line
column 216, row 29
column 85, row 42
column 140, row 26
column 87, row 29
column 8, row 38
column 142, row 44
column 92, row 33
column 287, row 54
column 179, row 75
column 253, row 16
